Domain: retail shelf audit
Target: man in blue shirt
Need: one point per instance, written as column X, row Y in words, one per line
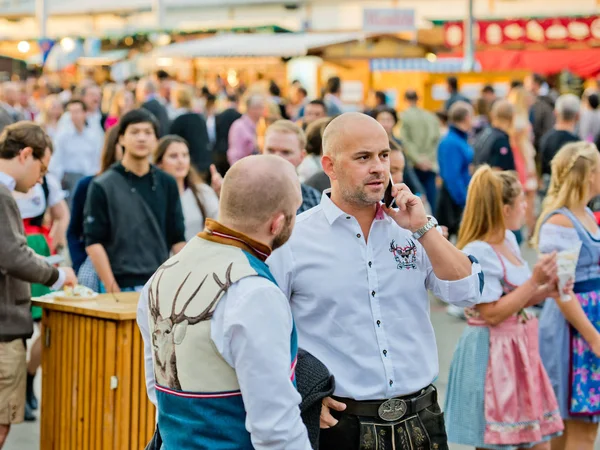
column 454, row 157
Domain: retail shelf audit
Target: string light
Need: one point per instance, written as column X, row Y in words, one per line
column 67, row 44
column 23, row 46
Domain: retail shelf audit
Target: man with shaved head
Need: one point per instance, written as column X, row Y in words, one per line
column 217, row 330
column 357, row 274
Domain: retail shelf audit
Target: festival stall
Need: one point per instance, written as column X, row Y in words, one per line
column 93, row 390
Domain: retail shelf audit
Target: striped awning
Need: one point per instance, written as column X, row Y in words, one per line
column 441, row 65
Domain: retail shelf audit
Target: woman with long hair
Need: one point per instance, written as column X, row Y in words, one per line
column 52, row 110
column 499, row 396
column 121, row 103
column 569, row 330
column 111, row 153
column 523, row 151
column 198, row 200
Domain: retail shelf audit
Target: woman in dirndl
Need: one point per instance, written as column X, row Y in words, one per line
column 569, row 330
column 499, row 396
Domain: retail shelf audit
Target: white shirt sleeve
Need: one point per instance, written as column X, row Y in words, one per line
column 491, row 267
column 142, row 321
column 281, row 266
column 464, row 293
column 252, row 332
column 557, row 238
column 59, row 283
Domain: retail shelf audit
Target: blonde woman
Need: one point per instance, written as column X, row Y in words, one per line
column 52, row 110
column 121, row 103
column 523, row 150
column 497, row 381
column 569, row 337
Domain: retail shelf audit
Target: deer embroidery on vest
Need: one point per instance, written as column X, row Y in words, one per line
column 170, row 331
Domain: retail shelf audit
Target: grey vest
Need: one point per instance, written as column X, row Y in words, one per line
column 137, row 244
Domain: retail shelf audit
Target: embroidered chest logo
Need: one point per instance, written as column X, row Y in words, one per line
column 406, row 257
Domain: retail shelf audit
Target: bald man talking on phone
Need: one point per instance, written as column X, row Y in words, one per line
column 357, row 275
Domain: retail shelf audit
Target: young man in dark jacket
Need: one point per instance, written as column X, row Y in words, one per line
column 133, row 215
column 25, row 152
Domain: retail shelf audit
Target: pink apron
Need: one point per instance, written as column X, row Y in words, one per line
column 520, row 405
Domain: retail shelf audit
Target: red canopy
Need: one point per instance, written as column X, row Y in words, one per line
column 585, row 62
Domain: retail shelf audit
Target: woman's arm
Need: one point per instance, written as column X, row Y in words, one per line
column 60, row 217
column 544, row 273
column 497, row 312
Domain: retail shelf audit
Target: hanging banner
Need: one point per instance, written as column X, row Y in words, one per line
column 46, row 46
column 539, row 31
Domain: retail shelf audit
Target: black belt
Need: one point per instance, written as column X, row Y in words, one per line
column 394, row 408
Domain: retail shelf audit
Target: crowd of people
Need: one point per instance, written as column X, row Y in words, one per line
column 264, row 214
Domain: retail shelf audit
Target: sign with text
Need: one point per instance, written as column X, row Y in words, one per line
column 388, row 20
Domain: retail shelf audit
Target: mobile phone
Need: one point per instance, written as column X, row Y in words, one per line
column 388, row 199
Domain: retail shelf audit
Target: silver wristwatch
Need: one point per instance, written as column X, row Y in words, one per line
column 431, row 224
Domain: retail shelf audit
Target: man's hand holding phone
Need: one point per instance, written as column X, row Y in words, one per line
column 411, row 213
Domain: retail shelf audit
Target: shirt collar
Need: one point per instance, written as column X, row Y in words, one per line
column 215, row 232
column 8, row 181
column 249, row 122
column 333, row 212
column 461, row 133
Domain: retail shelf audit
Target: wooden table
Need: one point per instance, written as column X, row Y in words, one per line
column 93, row 388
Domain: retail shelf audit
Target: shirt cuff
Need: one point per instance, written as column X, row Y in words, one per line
column 465, row 292
column 62, row 276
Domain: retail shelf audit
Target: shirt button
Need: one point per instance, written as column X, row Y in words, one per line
column 370, row 263
column 358, row 235
column 373, row 293
column 391, row 382
column 378, row 322
column 385, row 353
column 347, row 217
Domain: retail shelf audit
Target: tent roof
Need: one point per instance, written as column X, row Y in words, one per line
column 243, row 45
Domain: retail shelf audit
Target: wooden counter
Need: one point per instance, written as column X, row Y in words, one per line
column 93, row 384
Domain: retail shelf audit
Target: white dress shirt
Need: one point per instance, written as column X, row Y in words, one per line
column 76, row 152
column 251, row 329
column 362, row 308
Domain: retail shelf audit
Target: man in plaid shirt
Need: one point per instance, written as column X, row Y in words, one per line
column 286, row 139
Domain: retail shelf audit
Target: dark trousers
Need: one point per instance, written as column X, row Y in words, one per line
column 448, row 213
column 423, row 431
column 427, row 179
column 156, row 441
